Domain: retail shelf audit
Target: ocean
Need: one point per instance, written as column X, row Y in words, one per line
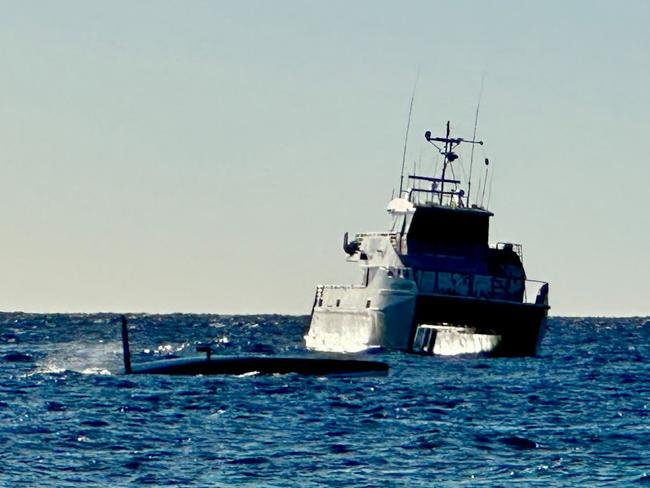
column 576, row 415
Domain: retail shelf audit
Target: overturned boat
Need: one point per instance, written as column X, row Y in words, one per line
column 245, row 365
column 432, row 284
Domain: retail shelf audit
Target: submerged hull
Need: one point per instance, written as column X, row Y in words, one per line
column 259, row 365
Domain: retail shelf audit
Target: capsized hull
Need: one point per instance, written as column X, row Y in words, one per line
column 260, row 365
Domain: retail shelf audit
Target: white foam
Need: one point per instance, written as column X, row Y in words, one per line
column 81, row 357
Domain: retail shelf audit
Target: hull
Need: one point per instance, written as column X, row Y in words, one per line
column 352, row 319
column 424, row 324
column 516, row 328
column 260, row 365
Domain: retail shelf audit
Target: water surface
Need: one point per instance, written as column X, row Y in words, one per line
column 575, row 415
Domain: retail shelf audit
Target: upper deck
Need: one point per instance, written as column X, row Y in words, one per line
column 438, row 231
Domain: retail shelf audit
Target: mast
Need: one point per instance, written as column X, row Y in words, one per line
column 444, row 164
column 450, row 143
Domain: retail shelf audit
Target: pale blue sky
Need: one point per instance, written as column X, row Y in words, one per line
column 208, row 156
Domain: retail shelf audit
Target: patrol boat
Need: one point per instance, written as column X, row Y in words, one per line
column 432, row 284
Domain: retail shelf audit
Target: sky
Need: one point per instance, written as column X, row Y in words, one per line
column 172, row 156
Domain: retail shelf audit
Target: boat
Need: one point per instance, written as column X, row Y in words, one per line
column 432, row 284
column 248, row 365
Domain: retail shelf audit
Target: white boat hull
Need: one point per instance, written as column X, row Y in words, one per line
column 351, row 319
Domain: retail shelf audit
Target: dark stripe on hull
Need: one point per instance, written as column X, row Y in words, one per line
column 261, row 365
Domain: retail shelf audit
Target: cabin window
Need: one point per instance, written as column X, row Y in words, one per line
column 320, row 302
column 338, row 302
column 368, row 303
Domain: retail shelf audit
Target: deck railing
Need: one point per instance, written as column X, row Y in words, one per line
column 469, row 285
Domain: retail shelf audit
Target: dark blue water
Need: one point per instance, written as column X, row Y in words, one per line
column 577, row 415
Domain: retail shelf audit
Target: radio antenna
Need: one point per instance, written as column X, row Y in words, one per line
column 487, row 165
column 471, row 158
column 487, row 204
column 406, row 136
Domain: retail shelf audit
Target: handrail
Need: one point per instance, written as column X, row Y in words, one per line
column 467, row 285
column 339, row 287
column 376, row 234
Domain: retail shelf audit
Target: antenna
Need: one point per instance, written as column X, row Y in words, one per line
column 416, row 183
column 487, row 165
column 406, row 136
column 471, row 158
column 487, row 204
column 444, row 164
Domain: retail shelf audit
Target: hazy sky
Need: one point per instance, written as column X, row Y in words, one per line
column 208, row 156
